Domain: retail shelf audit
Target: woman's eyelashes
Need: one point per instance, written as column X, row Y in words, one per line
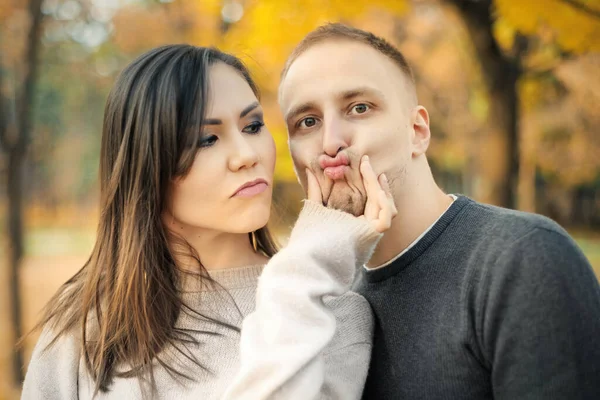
column 207, row 140
column 253, row 128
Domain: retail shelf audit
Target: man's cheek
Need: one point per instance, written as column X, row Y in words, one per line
column 298, row 158
column 301, row 176
column 298, row 167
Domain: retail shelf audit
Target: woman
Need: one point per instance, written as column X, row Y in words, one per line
column 186, row 182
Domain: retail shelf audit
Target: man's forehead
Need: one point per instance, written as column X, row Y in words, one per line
column 330, row 68
column 332, row 58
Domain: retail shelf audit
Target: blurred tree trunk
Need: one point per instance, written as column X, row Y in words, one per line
column 499, row 158
column 527, row 183
column 15, row 129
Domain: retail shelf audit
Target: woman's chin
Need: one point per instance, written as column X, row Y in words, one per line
column 253, row 220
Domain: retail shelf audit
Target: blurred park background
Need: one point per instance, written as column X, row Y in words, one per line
column 512, row 87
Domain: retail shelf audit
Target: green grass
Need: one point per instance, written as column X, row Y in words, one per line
column 59, row 242
column 591, row 248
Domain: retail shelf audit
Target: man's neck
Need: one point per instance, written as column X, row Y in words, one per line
column 418, row 209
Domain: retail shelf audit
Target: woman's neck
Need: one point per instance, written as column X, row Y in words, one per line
column 219, row 250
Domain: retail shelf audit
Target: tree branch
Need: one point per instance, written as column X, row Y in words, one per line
column 3, row 120
column 3, row 116
column 583, row 7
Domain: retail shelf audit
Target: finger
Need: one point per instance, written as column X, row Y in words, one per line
column 372, row 188
column 385, row 185
column 313, row 189
column 369, row 177
column 384, row 220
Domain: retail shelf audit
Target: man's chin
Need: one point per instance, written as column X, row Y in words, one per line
column 343, row 198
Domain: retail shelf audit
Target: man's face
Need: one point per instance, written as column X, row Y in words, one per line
column 342, row 100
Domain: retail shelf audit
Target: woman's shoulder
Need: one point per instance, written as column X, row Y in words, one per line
column 54, row 365
column 354, row 320
column 50, row 341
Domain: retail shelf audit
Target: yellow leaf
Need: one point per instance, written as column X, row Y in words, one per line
column 574, row 29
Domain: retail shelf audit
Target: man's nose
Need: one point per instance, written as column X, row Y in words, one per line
column 334, row 137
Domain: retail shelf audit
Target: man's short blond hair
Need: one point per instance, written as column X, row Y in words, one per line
column 346, row 32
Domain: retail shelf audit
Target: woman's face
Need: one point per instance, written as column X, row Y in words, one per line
column 230, row 184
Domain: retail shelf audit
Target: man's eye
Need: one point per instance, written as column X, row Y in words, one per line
column 207, row 141
column 308, row 122
column 360, row 108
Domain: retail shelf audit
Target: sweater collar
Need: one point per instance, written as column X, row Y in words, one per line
column 421, row 246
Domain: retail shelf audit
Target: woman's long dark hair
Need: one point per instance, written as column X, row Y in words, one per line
column 126, row 298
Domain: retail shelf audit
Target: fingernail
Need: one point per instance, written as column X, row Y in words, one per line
column 385, row 178
column 366, row 158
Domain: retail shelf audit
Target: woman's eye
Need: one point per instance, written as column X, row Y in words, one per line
column 208, row 141
column 254, row 127
column 360, row 108
column 308, row 122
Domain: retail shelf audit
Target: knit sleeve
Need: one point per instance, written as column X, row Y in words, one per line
column 348, row 355
column 53, row 371
column 283, row 340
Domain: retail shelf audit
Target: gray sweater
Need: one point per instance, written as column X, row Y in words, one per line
column 490, row 303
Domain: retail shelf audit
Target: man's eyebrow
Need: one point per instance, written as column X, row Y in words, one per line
column 300, row 109
column 360, row 91
column 245, row 111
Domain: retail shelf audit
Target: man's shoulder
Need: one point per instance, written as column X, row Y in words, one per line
column 516, row 243
column 500, row 241
column 505, row 226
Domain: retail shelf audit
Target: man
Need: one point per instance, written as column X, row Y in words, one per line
column 471, row 301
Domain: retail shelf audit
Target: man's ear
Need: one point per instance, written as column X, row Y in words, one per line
column 420, row 140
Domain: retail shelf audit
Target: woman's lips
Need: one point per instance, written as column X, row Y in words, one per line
column 251, row 188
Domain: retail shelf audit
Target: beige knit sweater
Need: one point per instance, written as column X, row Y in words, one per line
column 304, row 336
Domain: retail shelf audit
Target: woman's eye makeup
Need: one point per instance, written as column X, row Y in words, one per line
column 207, row 140
column 254, row 127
